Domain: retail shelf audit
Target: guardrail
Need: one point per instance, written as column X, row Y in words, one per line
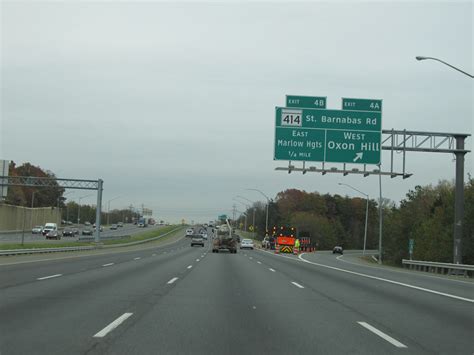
column 443, row 268
column 82, row 248
column 44, row 250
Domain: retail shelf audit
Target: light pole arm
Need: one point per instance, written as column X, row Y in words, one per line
column 449, row 65
column 268, row 200
column 353, row 188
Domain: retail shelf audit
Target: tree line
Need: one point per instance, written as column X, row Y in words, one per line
column 55, row 197
column 426, row 215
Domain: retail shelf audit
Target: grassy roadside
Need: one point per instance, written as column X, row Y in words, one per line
column 137, row 237
column 142, row 236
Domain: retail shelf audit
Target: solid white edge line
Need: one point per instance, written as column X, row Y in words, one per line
column 138, row 258
column 190, row 266
column 109, row 264
column 271, row 270
column 49, row 277
column 112, row 325
column 382, row 335
column 402, row 271
column 387, row 280
column 172, row 280
column 297, row 284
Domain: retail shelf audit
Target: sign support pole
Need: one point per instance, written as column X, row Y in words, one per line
column 98, row 210
column 459, row 201
column 380, row 214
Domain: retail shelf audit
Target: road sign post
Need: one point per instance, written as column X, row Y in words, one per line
column 411, row 244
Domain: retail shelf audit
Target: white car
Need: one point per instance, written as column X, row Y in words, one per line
column 204, row 236
column 49, row 227
column 246, row 244
column 189, row 232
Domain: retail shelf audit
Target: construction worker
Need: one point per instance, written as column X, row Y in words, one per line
column 297, row 245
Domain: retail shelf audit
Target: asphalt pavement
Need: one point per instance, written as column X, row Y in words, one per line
column 177, row 299
column 28, row 237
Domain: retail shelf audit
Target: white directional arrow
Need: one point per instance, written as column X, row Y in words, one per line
column 358, row 156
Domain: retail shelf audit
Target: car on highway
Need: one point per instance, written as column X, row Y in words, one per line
column 114, row 227
column 49, row 227
column 101, row 228
column 246, row 244
column 53, row 234
column 189, row 232
column 197, row 240
column 120, row 224
column 87, row 224
column 75, row 231
column 37, row 230
column 203, row 235
column 338, row 250
column 68, row 232
column 87, row 231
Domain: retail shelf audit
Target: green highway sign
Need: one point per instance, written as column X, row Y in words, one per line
column 306, row 101
column 362, row 105
column 353, row 147
column 339, row 136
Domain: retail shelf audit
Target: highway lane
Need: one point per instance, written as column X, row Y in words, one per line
column 431, row 322
column 178, row 299
column 127, row 229
column 460, row 286
column 61, row 314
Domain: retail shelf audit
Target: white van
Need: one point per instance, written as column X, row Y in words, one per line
column 48, row 227
column 189, row 232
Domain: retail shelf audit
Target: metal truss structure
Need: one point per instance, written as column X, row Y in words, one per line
column 403, row 141
column 31, row 181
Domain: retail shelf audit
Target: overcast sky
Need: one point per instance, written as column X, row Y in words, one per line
column 173, row 104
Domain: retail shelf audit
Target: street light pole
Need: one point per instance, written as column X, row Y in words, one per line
column 79, row 208
column 268, row 202
column 108, row 207
column 459, row 185
column 366, row 212
column 449, row 65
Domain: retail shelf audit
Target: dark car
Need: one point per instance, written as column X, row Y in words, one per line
column 197, row 240
column 53, row 234
column 75, row 231
column 338, row 250
column 68, row 232
column 87, row 231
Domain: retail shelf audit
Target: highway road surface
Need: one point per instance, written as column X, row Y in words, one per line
column 177, row 299
column 127, row 229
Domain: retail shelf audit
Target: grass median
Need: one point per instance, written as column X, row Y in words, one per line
column 149, row 234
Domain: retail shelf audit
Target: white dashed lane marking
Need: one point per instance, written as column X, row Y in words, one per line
column 172, row 280
column 297, row 284
column 112, row 325
column 382, row 335
column 49, row 277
